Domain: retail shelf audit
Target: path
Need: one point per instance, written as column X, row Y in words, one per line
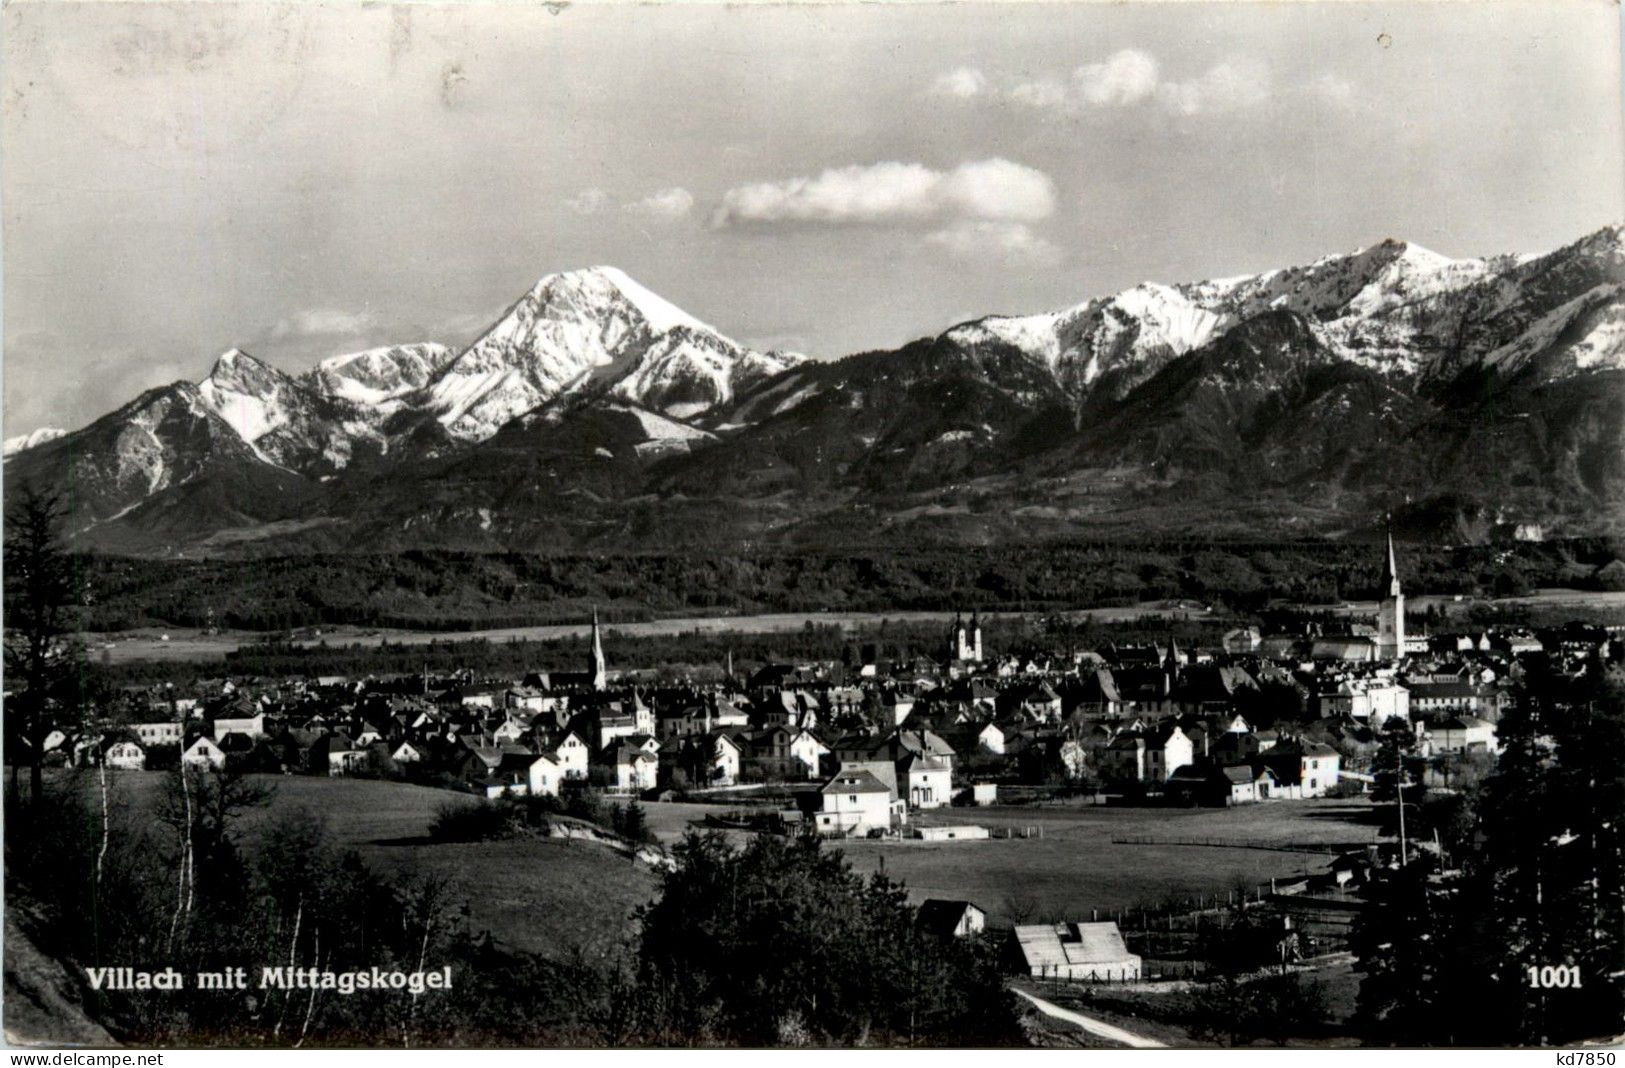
column 1093, row 1026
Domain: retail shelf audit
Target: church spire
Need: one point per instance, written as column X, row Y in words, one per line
column 600, row 671
column 1388, row 586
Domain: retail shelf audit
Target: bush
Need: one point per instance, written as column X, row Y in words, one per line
column 479, row 822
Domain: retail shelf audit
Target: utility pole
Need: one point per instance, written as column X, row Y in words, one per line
column 1399, row 796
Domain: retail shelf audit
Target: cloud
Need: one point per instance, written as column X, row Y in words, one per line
column 1333, row 89
column 893, row 193
column 673, row 203
column 1007, row 242
column 1230, row 86
column 961, row 82
column 321, row 322
column 589, row 202
column 1125, row 78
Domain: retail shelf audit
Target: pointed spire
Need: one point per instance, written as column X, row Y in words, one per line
column 600, row 671
column 1388, row 586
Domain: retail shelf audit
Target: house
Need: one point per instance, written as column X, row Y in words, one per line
column 125, row 755
column 950, row 919
column 926, row 781
column 1311, row 767
column 1088, row 952
column 631, row 768
column 1146, row 757
column 344, row 756
column 787, row 752
column 854, row 802
column 203, row 753
column 253, row 726
column 572, row 755
column 1462, row 734
column 544, row 776
column 158, row 733
column 1221, row 784
column 407, row 753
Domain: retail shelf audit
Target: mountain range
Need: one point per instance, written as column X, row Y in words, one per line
column 1457, row 396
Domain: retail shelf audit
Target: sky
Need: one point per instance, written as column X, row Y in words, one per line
column 307, row 180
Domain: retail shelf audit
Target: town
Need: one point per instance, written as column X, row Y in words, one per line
column 1253, row 719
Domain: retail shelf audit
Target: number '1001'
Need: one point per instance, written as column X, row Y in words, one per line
column 1560, row 977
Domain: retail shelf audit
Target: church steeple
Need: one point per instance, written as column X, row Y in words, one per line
column 600, row 670
column 1390, row 609
column 1389, row 585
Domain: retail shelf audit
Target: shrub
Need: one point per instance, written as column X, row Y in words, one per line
column 479, row 822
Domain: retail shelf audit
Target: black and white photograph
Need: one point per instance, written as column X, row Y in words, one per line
column 586, row 526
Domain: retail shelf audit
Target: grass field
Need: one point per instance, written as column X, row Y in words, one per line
column 556, row 897
column 537, row 895
column 1075, row 867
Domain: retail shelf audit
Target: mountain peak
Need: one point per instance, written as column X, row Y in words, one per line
column 604, row 281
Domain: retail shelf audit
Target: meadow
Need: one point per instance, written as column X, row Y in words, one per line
column 1075, row 867
column 560, row 897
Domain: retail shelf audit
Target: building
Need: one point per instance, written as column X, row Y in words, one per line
column 1087, row 952
column 965, row 644
column 1462, row 734
column 125, row 755
column 203, row 753
column 159, row 733
column 854, row 802
column 926, row 781
column 950, row 919
column 1390, row 610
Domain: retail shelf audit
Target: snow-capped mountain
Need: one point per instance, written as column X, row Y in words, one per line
column 32, row 439
column 373, row 379
column 594, row 412
column 593, row 328
column 1395, row 307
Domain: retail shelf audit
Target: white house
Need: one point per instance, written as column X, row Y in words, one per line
column 1461, row 734
column 406, row 753
column 572, row 756
column 926, row 781
column 253, row 726
column 855, row 803
column 203, row 753
column 545, row 776
column 125, row 756
column 158, row 733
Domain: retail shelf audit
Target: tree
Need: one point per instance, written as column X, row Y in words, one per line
column 782, row 942
column 42, row 655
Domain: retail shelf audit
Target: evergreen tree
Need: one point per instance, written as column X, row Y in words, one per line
column 43, row 659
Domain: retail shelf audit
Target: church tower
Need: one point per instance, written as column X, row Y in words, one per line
column 1391, row 610
column 975, row 647
column 600, row 671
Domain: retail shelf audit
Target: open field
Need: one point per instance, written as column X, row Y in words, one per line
column 177, row 644
column 181, row 644
column 1075, row 867
column 536, row 895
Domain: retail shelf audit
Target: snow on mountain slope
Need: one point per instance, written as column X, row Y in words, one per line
column 586, row 328
column 254, row 398
column 1394, row 307
column 32, row 439
column 373, row 378
column 1131, row 333
column 687, row 371
column 285, row 420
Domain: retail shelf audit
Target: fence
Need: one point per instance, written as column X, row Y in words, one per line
column 1330, row 848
